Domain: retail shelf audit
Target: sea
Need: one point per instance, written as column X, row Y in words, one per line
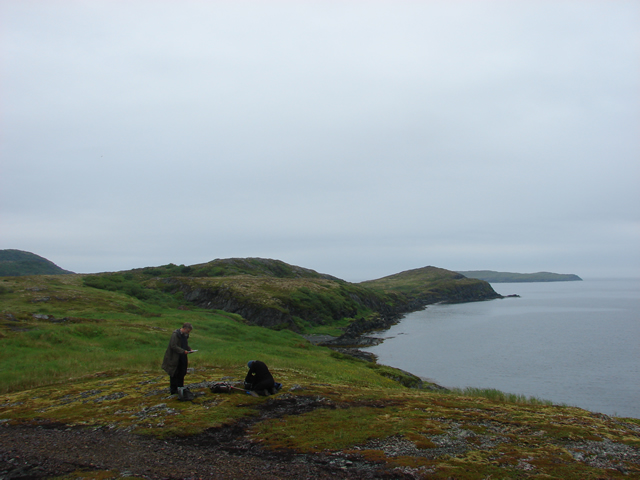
column 573, row 343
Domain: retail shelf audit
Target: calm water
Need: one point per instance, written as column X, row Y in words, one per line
column 576, row 343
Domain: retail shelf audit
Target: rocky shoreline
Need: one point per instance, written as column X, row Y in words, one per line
column 355, row 335
column 350, row 345
column 355, row 338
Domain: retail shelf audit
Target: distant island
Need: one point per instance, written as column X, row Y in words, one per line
column 508, row 277
column 15, row 263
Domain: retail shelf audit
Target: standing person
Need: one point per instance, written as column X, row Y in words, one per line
column 175, row 358
column 259, row 378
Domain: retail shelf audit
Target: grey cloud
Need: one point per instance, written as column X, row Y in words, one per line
column 364, row 138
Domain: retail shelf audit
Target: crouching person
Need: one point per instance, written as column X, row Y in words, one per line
column 259, row 380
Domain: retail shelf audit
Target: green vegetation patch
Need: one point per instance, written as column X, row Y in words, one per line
column 231, row 267
column 432, row 284
column 130, row 286
column 18, row 263
column 327, row 429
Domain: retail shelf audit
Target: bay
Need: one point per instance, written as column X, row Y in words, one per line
column 573, row 343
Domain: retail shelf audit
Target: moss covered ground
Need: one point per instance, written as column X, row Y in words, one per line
column 431, row 435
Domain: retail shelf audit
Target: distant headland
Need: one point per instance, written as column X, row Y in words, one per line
column 508, row 277
column 18, row 263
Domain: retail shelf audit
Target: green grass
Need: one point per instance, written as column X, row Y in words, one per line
column 335, row 429
column 498, row 396
column 109, row 330
column 50, row 353
column 17, row 262
column 432, row 284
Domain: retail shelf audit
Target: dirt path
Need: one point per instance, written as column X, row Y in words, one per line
column 34, row 452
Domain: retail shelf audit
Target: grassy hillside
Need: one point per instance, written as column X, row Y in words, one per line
column 237, row 292
column 79, row 357
column 432, row 284
column 508, row 277
column 58, row 327
column 311, row 303
column 232, row 267
column 17, row 262
column 274, row 294
column 252, row 266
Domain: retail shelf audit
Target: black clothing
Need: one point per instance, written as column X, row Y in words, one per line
column 259, row 377
column 175, row 360
column 184, row 340
column 177, row 379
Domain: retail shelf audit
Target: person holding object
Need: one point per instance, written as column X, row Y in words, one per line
column 259, row 379
column 175, row 358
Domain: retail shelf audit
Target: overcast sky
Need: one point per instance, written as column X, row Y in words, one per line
column 356, row 138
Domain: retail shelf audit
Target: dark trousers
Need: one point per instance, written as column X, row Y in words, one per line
column 267, row 384
column 177, row 379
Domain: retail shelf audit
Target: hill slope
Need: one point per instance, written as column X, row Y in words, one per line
column 16, row 262
column 508, row 277
column 274, row 294
column 432, row 284
column 257, row 267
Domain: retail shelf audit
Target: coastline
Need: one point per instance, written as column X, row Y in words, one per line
column 536, row 346
column 347, row 346
column 355, row 336
column 350, row 346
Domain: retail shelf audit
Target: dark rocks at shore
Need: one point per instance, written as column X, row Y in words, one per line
column 360, row 326
column 342, row 342
column 359, row 354
column 347, row 346
column 345, row 341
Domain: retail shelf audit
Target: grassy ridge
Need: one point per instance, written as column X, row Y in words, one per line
column 274, row 294
column 232, row 267
column 304, row 304
column 433, row 284
column 17, row 262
